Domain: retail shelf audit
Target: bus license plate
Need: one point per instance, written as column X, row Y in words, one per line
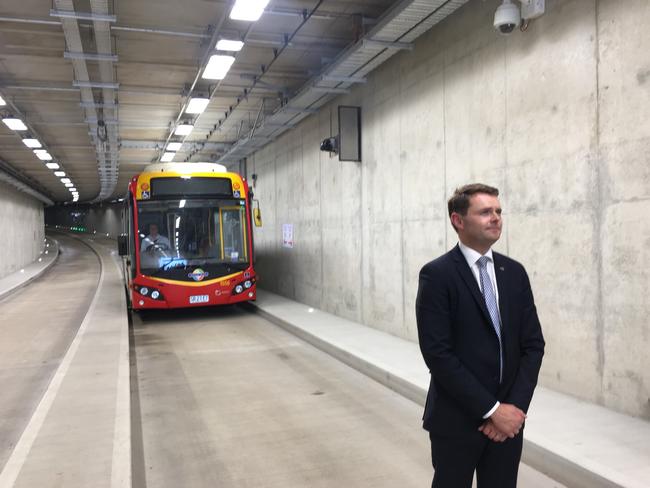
column 199, row 298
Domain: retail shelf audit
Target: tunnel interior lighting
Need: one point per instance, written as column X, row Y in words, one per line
column 52, row 165
column 43, row 155
column 197, row 105
column 59, row 173
column 183, row 129
column 32, row 143
column 174, row 146
column 2, row 102
column 229, row 45
column 69, row 185
column 65, row 180
column 218, row 67
column 14, row 124
column 168, row 156
column 249, row 10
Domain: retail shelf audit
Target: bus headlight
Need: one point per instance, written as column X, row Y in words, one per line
column 239, row 289
column 152, row 293
column 248, row 284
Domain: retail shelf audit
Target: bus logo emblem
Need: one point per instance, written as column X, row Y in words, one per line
column 198, row 274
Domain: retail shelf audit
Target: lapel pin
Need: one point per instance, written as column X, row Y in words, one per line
column 501, row 268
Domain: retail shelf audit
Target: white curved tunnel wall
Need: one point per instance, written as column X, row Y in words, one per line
column 22, row 224
column 556, row 117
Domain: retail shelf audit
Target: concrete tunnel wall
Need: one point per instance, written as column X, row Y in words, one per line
column 556, row 117
column 22, row 224
column 103, row 219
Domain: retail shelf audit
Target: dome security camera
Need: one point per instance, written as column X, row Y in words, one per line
column 507, row 17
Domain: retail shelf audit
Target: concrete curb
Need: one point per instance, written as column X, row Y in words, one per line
column 15, row 281
column 554, row 465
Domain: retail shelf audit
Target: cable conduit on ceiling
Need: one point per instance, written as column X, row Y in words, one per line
column 403, row 23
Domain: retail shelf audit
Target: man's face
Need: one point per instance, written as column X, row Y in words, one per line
column 153, row 229
column 481, row 227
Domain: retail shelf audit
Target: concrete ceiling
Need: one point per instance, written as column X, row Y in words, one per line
column 151, row 53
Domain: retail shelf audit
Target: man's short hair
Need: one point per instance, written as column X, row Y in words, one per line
column 459, row 201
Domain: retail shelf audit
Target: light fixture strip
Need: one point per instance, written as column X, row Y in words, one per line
column 32, row 141
column 229, row 45
column 248, row 10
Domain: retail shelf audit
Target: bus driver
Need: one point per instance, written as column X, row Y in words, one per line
column 154, row 240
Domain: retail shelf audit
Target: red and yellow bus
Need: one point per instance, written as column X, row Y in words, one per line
column 187, row 237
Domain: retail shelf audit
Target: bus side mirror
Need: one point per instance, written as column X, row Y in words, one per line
column 257, row 217
column 122, row 245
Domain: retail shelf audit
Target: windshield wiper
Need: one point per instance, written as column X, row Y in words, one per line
column 167, row 266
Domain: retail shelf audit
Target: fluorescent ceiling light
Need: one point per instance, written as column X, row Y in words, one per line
column 72, row 189
column 68, row 185
column 249, row 10
column 33, row 143
column 2, row 102
column 14, row 124
column 59, row 173
column 174, row 146
column 43, row 155
column 197, row 105
column 181, row 204
column 183, row 129
column 218, row 67
column 52, row 165
column 228, row 45
column 168, row 156
column 65, row 180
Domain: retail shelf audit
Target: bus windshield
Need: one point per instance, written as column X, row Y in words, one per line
column 174, row 235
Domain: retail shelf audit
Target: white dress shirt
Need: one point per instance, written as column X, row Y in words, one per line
column 472, row 256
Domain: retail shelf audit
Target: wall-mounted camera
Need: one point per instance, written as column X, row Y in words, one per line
column 331, row 145
column 508, row 17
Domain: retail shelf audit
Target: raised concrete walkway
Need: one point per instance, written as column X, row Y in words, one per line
column 22, row 277
column 79, row 434
column 578, row 444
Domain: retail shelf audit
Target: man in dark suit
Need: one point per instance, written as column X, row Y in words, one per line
column 482, row 341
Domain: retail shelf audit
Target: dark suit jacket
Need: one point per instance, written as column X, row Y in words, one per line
column 461, row 348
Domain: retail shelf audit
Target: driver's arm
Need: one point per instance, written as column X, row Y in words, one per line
column 146, row 242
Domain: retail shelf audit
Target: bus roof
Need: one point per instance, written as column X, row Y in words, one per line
column 186, row 168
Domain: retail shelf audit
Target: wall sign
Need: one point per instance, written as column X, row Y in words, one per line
column 287, row 235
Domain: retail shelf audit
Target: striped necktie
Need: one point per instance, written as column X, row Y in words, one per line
column 491, row 304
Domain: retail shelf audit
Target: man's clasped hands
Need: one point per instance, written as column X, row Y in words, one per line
column 506, row 422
